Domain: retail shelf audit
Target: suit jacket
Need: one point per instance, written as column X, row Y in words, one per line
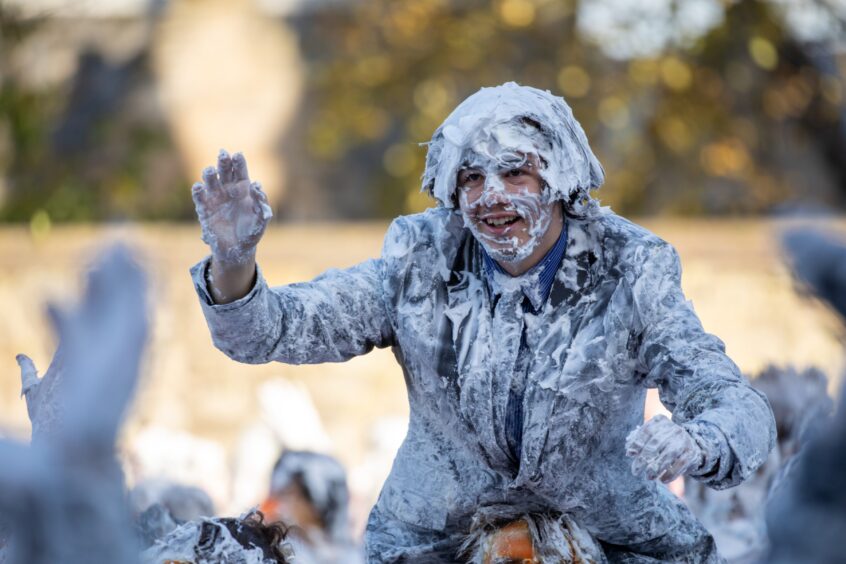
column 616, row 323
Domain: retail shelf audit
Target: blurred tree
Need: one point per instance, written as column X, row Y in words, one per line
column 692, row 107
column 92, row 146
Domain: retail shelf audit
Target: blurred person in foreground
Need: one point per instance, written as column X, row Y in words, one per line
column 528, row 321
column 308, row 491
column 806, row 512
column 736, row 517
column 159, row 506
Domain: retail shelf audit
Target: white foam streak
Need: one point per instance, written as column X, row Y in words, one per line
column 523, row 120
column 533, row 209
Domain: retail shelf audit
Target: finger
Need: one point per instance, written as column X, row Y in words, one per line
column 657, row 422
column 638, row 466
column 237, row 190
column 29, row 374
column 257, row 192
column 653, row 448
column 661, row 463
column 648, row 429
column 211, row 180
column 239, row 167
column 658, row 425
column 224, row 167
column 634, row 445
column 669, row 444
column 659, row 458
column 198, row 194
column 653, row 470
column 261, row 205
column 681, row 464
column 637, row 439
column 682, row 457
column 673, row 471
column 661, row 431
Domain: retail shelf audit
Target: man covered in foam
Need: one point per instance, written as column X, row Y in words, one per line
column 529, row 323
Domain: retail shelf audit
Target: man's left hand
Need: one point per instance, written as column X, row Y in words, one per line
column 662, row 449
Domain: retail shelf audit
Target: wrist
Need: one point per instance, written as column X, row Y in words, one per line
column 233, row 260
column 228, row 281
column 708, row 441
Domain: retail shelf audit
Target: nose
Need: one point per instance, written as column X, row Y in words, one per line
column 491, row 198
column 493, row 183
column 494, row 191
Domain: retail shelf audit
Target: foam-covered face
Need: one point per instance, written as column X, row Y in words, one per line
column 505, row 206
column 290, row 505
column 518, row 119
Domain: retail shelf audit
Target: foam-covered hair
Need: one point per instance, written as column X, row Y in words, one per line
column 324, row 482
column 571, row 169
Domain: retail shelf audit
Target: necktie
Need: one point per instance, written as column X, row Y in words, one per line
column 507, row 336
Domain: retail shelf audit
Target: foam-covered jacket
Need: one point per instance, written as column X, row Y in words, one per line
column 616, row 323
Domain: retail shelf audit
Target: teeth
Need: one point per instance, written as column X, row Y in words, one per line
column 499, row 221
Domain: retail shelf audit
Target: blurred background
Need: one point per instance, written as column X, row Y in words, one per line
column 716, row 121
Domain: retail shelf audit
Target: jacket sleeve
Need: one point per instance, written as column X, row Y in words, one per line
column 338, row 315
column 702, row 387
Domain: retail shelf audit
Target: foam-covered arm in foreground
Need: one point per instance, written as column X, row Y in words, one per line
column 338, row 315
column 730, row 421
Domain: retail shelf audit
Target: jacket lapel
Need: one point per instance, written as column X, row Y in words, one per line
column 570, row 295
column 467, row 327
column 580, row 265
column 467, row 319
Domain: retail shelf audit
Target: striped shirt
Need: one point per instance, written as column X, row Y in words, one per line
column 540, row 277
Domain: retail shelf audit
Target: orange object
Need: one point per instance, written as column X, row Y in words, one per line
column 511, row 543
column 270, row 508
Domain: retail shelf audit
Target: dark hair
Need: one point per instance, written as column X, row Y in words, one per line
column 250, row 532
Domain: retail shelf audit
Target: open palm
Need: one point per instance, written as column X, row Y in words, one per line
column 233, row 211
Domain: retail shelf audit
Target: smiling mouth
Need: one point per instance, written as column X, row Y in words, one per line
column 500, row 221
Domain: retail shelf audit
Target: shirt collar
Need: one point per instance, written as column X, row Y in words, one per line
column 535, row 283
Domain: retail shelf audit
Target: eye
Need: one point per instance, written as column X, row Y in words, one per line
column 470, row 177
column 515, row 172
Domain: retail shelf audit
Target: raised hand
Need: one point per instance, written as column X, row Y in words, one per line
column 233, row 211
column 662, row 449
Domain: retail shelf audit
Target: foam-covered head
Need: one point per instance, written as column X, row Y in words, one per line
column 246, row 540
column 503, row 121
column 324, row 483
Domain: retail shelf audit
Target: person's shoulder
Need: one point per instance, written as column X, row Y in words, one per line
column 420, row 249
column 628, row 244
column 430, row 220
column 623, row 233
column 626, row 232
column 434, row 230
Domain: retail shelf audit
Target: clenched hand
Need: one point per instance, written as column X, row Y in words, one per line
column 662, row 449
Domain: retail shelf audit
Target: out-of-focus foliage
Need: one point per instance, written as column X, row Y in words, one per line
column 83, row 143
column 736, row 115
column 693, row 106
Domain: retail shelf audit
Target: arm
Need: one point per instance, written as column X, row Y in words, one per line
column 336, row 316
column 731, row 424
